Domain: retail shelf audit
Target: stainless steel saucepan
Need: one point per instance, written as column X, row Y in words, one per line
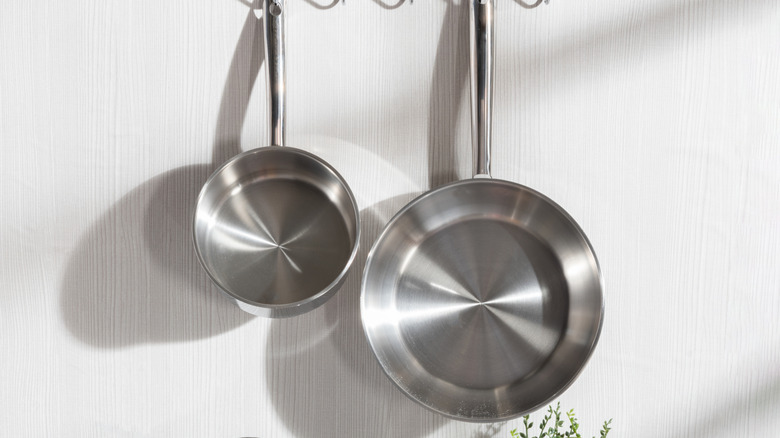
column 276, row 228
column 482, row 299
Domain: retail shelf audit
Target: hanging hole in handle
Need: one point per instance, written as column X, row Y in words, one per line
column 275, row 8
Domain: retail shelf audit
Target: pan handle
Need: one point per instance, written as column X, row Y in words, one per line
column 481, row 82
column 273, row 24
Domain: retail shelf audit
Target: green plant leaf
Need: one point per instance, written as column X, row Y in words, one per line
column 550, row 425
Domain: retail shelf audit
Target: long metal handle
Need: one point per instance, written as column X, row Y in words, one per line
column 273, row 23
column 481, row 82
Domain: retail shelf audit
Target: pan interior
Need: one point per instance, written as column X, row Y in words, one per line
column 483, row 303
column 482, row 300
column 274, row 231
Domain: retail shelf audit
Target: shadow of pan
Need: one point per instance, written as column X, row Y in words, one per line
column 323, row 378
column 134, row 277
column 450, row 73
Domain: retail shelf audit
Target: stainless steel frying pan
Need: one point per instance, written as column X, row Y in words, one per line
column 276, row 228
column 482, row 299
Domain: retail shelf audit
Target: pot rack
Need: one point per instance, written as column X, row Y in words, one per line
column 411, row 2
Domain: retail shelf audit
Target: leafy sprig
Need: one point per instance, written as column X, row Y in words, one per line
column 552, row 426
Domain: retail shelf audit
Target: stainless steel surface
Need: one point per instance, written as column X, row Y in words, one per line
column 273, row 24
column 276, row 228
column 482, row 300
column 481, row 82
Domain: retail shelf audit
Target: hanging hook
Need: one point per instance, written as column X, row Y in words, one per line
column 411, row 2
column 531, row 6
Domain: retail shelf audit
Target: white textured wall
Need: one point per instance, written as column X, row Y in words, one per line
column 656, row 123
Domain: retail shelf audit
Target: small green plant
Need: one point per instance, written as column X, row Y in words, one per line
column 552, row 426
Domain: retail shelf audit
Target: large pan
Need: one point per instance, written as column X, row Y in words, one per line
column 482, row 299
column 276, row 228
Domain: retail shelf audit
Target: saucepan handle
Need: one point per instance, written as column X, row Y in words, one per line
column 481, row 82
column 273, row 24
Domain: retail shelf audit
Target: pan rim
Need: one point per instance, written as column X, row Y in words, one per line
column 515, row 186
column 297, row 307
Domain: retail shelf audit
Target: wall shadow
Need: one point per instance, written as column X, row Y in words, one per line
column 134, row 277
column 489, row 430
column 449, row 77
column 732, row 414
column 653, row 31
column 322, row 376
